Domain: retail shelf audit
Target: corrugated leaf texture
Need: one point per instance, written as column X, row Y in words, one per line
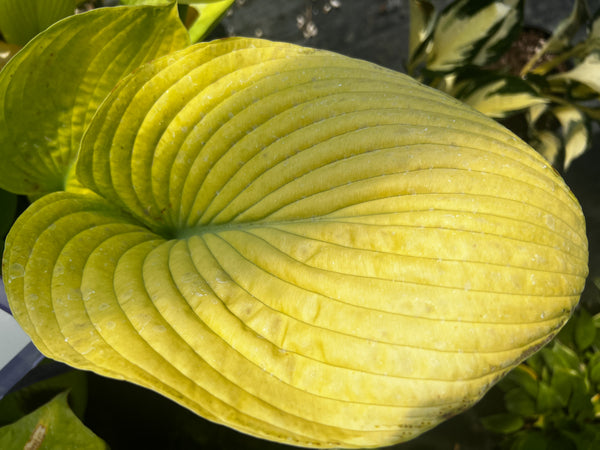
column 302, row 246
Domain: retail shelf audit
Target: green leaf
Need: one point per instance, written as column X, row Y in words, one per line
column 594, row 368
column 16, row 404
column 585, row 331
column 503, row 423
column 519, row 402
column 43, row 113
column 533, row 440
column 564, row 382
column 548, row 399
column 302, row 246
column 524, row 377
column 21, row 20
column 470, row 31
column 51, row 426
column 210, row 14
column 559, row 355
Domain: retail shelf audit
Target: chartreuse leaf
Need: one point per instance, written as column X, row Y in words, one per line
column 21, row 20
column 209, row 15
column 469, row 32
column 51, row 426
column 44, row 112
column 302, row 246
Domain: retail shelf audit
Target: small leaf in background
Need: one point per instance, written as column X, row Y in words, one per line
column 575, row 132
column 209, row 15
column 519, row 402
column 21, row 20
column 594, row 368
column 534, row 440
column 526, row 378
column 422, row 21
column 504, row 35
column 503, row 423
column 548, row 145
column 547, row 399
column 559, row 355
column 463, row 29
column 563, row 383
column 52, row 426
column 503, row 97
column 585, row 331
column 587, row 72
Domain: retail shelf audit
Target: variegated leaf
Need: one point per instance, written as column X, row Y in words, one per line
column 587, row 72
column 575, row 132
column 503, row 97
column 422, row 21
column 468, row 30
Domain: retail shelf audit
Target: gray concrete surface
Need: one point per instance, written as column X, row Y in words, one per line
column 375, row 30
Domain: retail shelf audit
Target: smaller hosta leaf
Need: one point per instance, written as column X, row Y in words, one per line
column 52, row 426
column 466, row 28
column 21, row 20
column 210, row 13
column 43, row 112
column 503, row 97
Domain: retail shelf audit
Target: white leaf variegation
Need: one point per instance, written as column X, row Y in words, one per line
column 586, row 72
column 495, row 100
column 466, row 33
column 575, row 132
column 302, row 246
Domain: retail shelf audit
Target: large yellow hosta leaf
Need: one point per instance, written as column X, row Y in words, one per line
column 305, row 247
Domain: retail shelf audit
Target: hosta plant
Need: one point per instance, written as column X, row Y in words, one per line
column 545, row 87
column 302, row 246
